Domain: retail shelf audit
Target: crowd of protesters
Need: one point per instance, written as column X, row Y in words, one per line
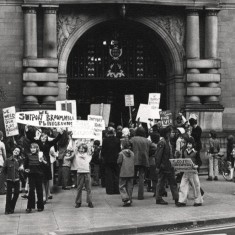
column 138, row 155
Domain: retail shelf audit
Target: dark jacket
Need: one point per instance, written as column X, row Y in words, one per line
column 96, row 156
column 110, row 150
column 11, row 168
column 191, row 154
column 163, row 154
column 196, row 134
column 33, row 164
column 214, row 146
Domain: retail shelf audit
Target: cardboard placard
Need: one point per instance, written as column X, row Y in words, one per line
column 154, row 99
column 9, row 116
column 83, row 129
column 101, row 110
column 143, row 114
column 166, row 118
column 45, row 118
column 67, row 105
column 129, row 100
column 183, row 165
column 99, row 126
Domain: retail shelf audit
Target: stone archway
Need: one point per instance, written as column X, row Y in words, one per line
column 171, row 51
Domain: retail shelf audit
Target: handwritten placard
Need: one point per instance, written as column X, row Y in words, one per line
column 154, row 99
column 166, row 118
column 183, row 164
column 9, row 116
column 83, row 129
column 45, row 118
column 129, row 100
column 99, row 125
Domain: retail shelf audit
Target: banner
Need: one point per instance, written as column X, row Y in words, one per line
column 166, row 118
column 147, row 112
column 183, row 164
column 45, row 118
column 9, row 116
column 154, row 99
column 129, row 100
column 67, row 105
column 83, row 129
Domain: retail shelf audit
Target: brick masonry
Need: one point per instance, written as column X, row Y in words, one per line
column 11, row 54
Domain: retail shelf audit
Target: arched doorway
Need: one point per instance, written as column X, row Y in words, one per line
column 113, row 59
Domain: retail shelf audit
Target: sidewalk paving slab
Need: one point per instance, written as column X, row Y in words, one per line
column 109, row 217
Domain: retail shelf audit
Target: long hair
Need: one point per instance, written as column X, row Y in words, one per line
column 140, row 131
column 35, row 145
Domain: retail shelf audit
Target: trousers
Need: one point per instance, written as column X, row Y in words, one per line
column 11, row 201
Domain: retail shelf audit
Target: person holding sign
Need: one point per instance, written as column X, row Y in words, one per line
column 190, row 178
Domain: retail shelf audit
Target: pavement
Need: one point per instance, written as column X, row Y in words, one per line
column 109, row 217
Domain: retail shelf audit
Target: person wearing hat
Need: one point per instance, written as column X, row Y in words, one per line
column 179, row 142
column 110, row 149
column 214, row 148
column 190, row 178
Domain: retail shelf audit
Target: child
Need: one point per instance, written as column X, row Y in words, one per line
column 83, row 175
column 214, row 148
column 34, row 167
column 66, row 165
column 11, row 168
column 95, row 161
column 190, row 177
column 126, row 162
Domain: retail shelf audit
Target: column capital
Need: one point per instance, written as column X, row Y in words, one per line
column 50, row 9
column 29, row 9
column 193, row 11
column 212, row 11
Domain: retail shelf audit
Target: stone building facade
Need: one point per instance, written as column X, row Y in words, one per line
column 193, row 38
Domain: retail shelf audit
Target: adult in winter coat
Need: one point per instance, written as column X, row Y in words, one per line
column 109, row 153
column 163, row 166
column 141, row 147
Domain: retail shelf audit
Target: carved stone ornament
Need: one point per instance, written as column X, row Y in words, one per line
column 174, row 25
column 66, row 25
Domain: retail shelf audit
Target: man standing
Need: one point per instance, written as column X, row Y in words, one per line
column 163, row 166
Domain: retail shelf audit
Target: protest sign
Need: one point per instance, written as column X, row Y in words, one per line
column 101, row 110
column 83, row 129
column 99, row 126
column 154, row 112
column 67, row 105
column 143, row 114
column 166, row 118
column 183, row 165
column 129, row 100
column 11, row 126
column 154, row 100
column 45, row 118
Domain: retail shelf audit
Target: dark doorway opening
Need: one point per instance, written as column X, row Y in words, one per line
column 112, row 60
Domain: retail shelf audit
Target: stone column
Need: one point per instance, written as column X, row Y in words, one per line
column 192, row 46
column 50, row 43
column 211, row 41
column 30, row 44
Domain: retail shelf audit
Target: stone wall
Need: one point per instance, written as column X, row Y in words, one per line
column 11, row 52
column 226, row 52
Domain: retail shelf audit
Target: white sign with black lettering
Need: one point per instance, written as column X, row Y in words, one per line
column 9, row 116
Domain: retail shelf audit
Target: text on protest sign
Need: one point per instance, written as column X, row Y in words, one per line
column 45, row 118
column 99, row 126
column 154, row 99
column 83, row 129
column 166, row 118
column 9, row 116
column 183, row 164
column 129, row 100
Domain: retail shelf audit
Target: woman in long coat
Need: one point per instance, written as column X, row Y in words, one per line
column 109, row 152
column 2, row 160
column 141, row 147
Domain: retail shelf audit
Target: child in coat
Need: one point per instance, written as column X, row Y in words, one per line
column 66, row 166
column 83, row 175
column 126, row 163
column 11, row 168
column 190, row 178
column 214, row 148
